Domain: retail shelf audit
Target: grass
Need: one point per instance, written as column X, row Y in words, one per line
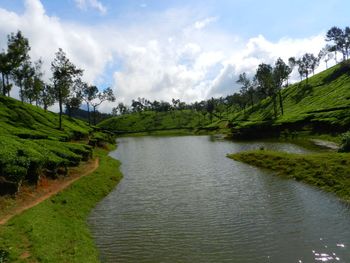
column 322, row 106
column 151, row 122
column 31, row 145
column 329, row 171
column 56, row 230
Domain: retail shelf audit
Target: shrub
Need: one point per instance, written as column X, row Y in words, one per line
column 345, row 145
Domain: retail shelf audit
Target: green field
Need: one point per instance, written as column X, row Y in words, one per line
column 321, row 106
column 32, row 146
column 151, row 121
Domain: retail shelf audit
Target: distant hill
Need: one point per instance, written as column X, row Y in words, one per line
column 32, row 146
column 82, row 114
column 150, row 121
column 321, row 106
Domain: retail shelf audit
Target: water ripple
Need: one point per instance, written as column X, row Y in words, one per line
column 181, row 200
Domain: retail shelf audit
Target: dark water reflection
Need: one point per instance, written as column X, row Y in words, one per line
column 182, row 200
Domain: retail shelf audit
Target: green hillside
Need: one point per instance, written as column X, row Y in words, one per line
column 151, row 121
column 31, row 145
column 321, row 105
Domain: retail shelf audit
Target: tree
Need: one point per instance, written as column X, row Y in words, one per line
column 314, row 63
column 23, row 77
column 339, row 39
column 325, row 55
column 17, row 59
column 265, row 79
column 247, row 89
column 33, row 83
column 89, row 93
column 64, row 74
column 281, row 74
column 210, row 108
column 137, row 106
column 105, row 95
column 47, row 96
column 347, row 41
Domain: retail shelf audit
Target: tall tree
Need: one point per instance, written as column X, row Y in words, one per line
column 89, row 93
column 105, row 95
column 281, row 74
column 24, row 78
column 247, row 88
column 18, row 58
column 265, row 79
column 339, row 39
column 47, row 96
column 325, row 55
column 33, row 83
column 64, row 74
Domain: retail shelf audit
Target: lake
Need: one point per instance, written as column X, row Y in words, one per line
column 182, row 200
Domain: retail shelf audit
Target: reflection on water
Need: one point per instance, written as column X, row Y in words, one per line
column 182, row 200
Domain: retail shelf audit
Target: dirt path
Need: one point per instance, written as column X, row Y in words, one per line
column 29, row 196
column 326, row 144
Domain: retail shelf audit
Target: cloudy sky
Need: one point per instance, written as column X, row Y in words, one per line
column 186, row 49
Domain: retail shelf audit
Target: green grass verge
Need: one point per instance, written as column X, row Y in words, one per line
column 150, row 121
column 328, row 171
column 322, row 105
column 56, row 230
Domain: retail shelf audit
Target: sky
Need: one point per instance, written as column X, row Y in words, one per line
column 186, row 49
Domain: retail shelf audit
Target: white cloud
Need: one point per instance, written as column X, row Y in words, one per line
column 95, row 4
column 205, row 22
column 164, row 57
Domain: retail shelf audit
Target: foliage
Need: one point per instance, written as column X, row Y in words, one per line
column 31, row 145
column 152, row 121
column 56, row 229
column 321, row 106
column 345, row 142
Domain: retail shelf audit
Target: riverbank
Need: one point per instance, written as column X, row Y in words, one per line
column 329, row 171
column 56, row 229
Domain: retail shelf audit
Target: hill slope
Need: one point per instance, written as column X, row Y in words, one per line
column 322, row 105
column 32, row 146
column 150, row 121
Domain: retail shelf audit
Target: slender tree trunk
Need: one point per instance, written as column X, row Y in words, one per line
column 94, row 115
column 326, row 64
column 281, row 100
column 60, row 105
column 3, row 84
column 8, row 85
column 21, row 91
column 88, row 108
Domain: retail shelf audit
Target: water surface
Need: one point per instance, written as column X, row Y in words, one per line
column 182, row 200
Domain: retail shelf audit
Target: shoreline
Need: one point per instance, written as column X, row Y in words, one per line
column 328, row 171
column 56, row 230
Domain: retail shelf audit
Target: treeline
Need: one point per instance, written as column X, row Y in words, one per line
column 269, row 80
column 65, row 87
column 213, row 107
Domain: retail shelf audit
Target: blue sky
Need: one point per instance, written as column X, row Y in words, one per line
column 159, row 49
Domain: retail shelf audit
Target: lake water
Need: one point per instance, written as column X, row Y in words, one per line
column 182, row 200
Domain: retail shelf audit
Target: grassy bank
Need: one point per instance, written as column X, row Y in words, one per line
column 328, row 171
column 151, row 121
column 321, row 105
column 56, row 230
